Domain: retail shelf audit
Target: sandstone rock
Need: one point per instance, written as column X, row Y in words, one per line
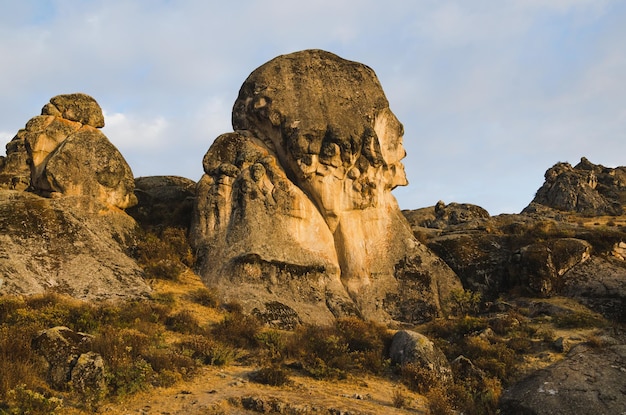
column 411, row 347
column 66, row 155
column 87, row 164
column 72, row 245
column 587, row 381
column 163, row 201
column 587, row 188
column 315, row 153
column 14, row 169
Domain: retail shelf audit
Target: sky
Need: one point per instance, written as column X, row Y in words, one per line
column 491, row 93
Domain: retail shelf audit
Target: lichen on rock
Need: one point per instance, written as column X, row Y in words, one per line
column 305, row 180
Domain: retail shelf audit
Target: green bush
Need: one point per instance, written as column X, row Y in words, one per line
column 208, row 351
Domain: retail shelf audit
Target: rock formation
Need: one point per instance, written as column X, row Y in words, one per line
column 587, row 381
column 67, row 233
column 66, row 154
column 295, row 206
column 587, row 188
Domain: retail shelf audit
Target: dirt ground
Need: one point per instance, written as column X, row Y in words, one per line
column 228, row 390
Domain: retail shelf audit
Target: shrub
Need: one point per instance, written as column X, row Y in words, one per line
column 208, row 351
column 271, row 375
column 462, row 302
column 238, row 329
column 205, row 297
column 28, row 402
column 418, row 378
column 20, row 366
column 163, row 256
column 184, row 322
column 579, row 320
column 399, row 399
column 274, row 343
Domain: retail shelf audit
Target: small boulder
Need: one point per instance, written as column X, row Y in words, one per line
column 412, row 347
column 61, row 347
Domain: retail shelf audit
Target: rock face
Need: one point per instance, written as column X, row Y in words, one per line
column 55, row 244
column 66, row 154
column 587, row 188
column 295, row 206
column 587, row 381
column 67, row 232
column 163, row 201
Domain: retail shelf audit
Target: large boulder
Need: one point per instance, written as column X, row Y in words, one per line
column 67, row 155
column 69, row 361
column 296, row 206
column 410, row 347
column 586, row 381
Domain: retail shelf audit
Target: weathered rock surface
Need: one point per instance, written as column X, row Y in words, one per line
column 586, row 188
column 67, row 155
column 295, row 206
column 71, row 245
column 412, row 347
column 70, row 362
column 163, row 201
column 600, row 284
column 587, row 381
column 67, row 233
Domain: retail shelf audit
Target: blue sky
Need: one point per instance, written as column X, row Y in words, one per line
column 491, row 93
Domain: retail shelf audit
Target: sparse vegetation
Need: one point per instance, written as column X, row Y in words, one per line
column 163, row 340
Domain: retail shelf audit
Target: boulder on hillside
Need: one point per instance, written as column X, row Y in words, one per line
column 600, row 284
column 587, row 381
column 70, row 362
column 587, row 188
column 295, row 206
column 66, row 155
column 410, row 347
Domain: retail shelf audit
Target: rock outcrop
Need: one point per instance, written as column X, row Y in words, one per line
column 67, row 233
column 67, row 155
column 586, row 381
column 56, row 245
column 586, row 188
column 410, row 347
column 295, row 206
column 69, row 360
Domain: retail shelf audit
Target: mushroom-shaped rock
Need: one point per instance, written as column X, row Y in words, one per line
column 300, row 196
